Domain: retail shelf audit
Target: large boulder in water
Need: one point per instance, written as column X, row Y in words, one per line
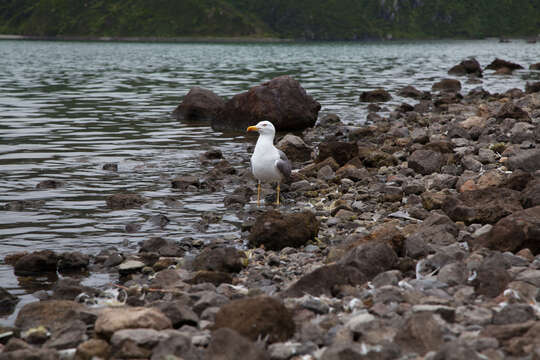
column 199, row 105
column 281, row 101
column 467, row 67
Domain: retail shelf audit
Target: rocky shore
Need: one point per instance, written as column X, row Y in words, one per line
column 414, row 236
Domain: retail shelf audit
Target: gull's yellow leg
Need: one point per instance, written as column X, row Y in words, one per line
column 277, row 195
column 259, row 193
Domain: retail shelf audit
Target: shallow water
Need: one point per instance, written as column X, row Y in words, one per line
column 67, row 108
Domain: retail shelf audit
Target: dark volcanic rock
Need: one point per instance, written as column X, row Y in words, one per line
column 491, row 278
column 73, row 261
column 49, row 184
column 517, row 231
column 426, row 162
column 326, row 280
column 482, row 206
column 68, row 289
column 447, row 85
column 199, row 105
column 338, row 150
column 179, row 313
column 371, row 258
column 176, row 346
column 513, row 111
column 467, row 67
column 532, row 87
column 295, row 148
column 514, row 313
column 7, row 302
column 499, row 63
column 227, row 344
column 281, row 101
column 50, row 313
column 36, row 262
column 530, row 196
column 182, row 182
column 212, row 277
column 125, row 201
column 223, row 259
column 257, row 317
column 526, row 160
column 420, row 333
column 377, row 95
column 412, row 92
column 277, row 230
column 163, row 247
column 30, row 354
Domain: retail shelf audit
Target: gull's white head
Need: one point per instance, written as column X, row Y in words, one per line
column 263, row 128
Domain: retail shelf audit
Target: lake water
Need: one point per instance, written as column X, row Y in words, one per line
column 67, row 108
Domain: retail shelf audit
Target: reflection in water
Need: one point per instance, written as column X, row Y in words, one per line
column 70, row 107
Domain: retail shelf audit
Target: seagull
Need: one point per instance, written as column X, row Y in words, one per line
column 268, row 163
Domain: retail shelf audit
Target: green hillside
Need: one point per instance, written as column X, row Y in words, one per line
column 300, row 19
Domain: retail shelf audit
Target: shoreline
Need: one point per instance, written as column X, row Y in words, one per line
column 156, row 39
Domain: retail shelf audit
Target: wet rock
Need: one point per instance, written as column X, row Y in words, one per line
column 36, row 262
column 50, row 313
column 125, row 201
column 93, row 348
column 482, row 206
column 257, row 317
column 227, row 344
column 7, row 302
column 526, row 160
column 281, row 101
column 212, row 154
column 199, row 105
column 73, row 261
column 223, row 259
column 467, row 67
column 426, row 162
column 184, row 182
column 447, row 85
column 377, row 95
column 420, row 333
column 130, row 266
column 512, row 111
column 412, row 92
column 295, row 148
column 326, row 280
column 514, row 232
column 341, row 152
column 69, row 288
column 163, row 247
column 50, row 184
column 110, row 167
column 277, row 230
column 241, row 195
column 21, row 205
column 500, row 63
column 110, row 320
column 532, row 87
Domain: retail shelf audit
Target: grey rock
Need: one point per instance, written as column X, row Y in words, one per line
column 514, row 313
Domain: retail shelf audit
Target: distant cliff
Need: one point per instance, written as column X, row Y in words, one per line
column 299, row 19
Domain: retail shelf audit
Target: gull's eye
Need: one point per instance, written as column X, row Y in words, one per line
column 264, row 124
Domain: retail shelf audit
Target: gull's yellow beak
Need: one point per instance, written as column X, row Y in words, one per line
column 252, row 128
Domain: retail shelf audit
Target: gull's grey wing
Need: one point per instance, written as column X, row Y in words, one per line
column 284, row 165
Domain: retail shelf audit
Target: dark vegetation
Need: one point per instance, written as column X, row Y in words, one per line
column 300, row 19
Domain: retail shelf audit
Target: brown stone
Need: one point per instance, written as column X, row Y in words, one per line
column 257, row 317
column 275, row 230
column 281, row 101
column 112, row 319
column 91, row 349
column 420, row 333
column 125, row 201
column 199, row 105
